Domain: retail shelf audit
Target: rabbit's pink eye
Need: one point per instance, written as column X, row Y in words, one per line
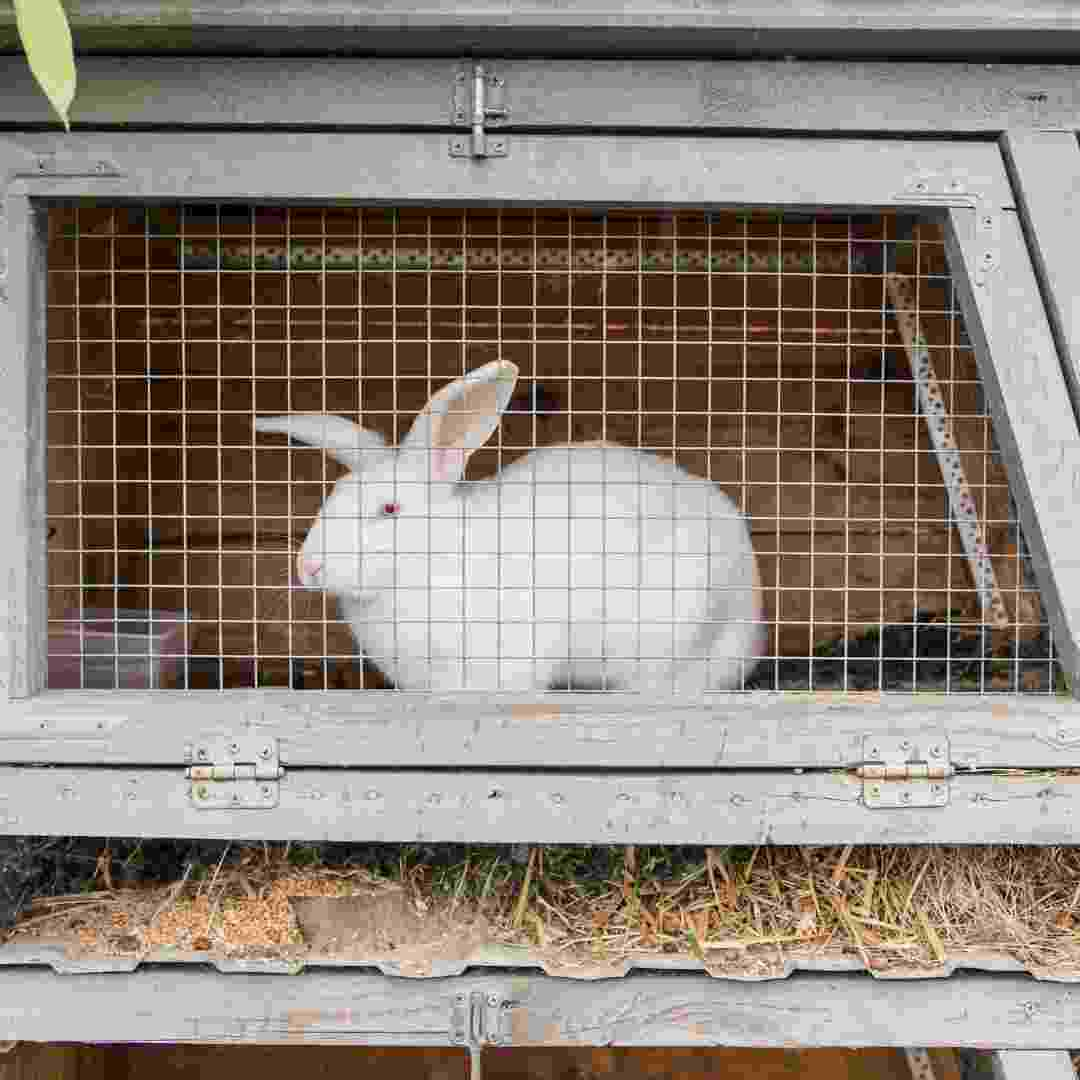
column 391, row 508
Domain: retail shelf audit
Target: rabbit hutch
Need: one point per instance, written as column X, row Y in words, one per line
column 782, row 693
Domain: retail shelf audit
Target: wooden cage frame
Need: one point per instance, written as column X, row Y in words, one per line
column 999, row 169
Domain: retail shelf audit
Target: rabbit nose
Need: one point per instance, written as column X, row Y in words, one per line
column 309, row 568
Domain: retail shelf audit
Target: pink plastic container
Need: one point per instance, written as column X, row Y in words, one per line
column 121, row 649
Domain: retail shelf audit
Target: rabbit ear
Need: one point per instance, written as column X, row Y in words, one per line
column 340, row 438
column 461, row 417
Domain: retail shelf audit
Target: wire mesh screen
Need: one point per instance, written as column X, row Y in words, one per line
column 813, row 370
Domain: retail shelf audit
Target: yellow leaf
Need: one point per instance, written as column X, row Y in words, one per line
column 46, row 39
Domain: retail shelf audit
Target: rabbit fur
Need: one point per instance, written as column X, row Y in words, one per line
column 591, row 565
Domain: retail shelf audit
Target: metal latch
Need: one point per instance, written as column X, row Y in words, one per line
column 479, row 100
column 902, row 770
column 234, row 772
column 478, row 1020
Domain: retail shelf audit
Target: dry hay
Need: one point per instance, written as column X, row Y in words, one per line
column 586, row 910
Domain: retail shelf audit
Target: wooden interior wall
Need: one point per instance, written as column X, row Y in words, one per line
column 38, row 1061
column 852, row 539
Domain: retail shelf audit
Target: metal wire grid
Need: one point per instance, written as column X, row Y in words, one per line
column 681, row 333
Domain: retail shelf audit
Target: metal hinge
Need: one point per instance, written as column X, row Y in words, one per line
column 902, row 770
column 234, row 772
column 479, row 100
column 478, row 1020
column 948, row 190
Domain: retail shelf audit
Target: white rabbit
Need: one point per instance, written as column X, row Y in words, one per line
column 584, row 566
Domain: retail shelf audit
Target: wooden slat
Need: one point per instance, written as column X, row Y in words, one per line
column 1046, row 167
column 515, row 1062
column 559, row 808
column 748, row 95
column 1030, row 404
column 334, row 1007
column 386, row 729
column 549, row 169
column 23, row 662
column 959, row 29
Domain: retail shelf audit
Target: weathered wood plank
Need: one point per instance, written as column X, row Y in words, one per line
column 960, row 29
column 378, row 91
column 1029, row 401
column 45, row 1061
column 550, row 169
column 1033, row 1065
column 1046, row 168
column 23, row 661
column 181, row 1005
column 556, row 808
column 377, row 728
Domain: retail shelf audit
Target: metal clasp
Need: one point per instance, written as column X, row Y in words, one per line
column 487, row 107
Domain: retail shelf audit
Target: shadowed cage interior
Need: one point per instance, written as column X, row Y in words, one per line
column 759, row 349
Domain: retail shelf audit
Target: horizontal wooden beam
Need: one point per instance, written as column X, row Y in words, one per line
column 177, row 1004
column 362, row 806
column 961, row 29
column 386, row 729
column 797, row 96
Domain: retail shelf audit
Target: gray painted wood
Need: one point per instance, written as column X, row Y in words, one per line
column 556, row 808
column 962, row 28
column 1046, row 169
column 126, row 728
column 376, row 728
column 1033, row 1065
column 814, row 96
column 172, row 1004
column 553, row 169
column 23, row 665
column 1029, row 401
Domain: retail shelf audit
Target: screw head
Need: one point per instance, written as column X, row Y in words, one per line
column 264, row 752
column 202, row 754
